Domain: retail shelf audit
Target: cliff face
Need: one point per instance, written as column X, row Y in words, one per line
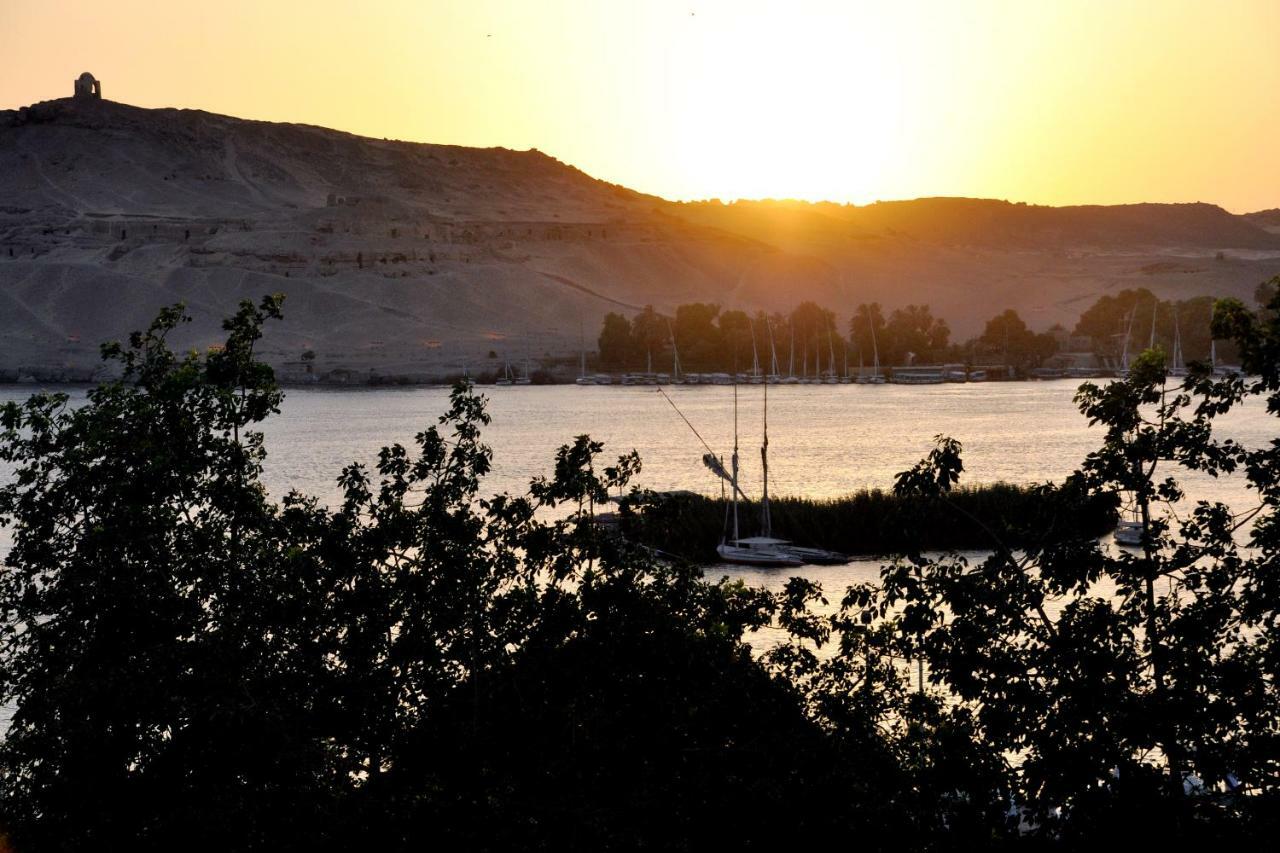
column 415, row 259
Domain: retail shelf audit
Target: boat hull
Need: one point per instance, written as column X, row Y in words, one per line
column 1129, row 533
column 757, row 557
column 817, row 556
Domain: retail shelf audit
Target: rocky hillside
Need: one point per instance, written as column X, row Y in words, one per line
column 1268, row 220
column 406, row 259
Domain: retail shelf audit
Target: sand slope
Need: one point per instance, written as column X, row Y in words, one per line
column 416, row 260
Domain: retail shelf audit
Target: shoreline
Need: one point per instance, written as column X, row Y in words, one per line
column 12, row 379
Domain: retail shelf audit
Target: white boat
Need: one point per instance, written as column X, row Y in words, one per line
column 505, row 378
column 909, row 376
column 754, row 551
column 1129, row 532
column 814, row 556
column 523, row 379
column 766, row 550
column 799, row 553
column 750, row 551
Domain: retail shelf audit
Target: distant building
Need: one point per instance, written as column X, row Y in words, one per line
column 88, row 87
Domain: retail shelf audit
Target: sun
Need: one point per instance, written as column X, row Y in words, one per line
column 767, row 106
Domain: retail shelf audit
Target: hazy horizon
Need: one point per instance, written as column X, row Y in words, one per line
column 1052, row 104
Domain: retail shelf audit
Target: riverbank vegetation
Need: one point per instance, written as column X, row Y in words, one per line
column 811, row 340
column 873, row 521
column 192, row 664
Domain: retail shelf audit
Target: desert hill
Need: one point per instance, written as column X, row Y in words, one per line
column 417, row 259
column 1267, row 220
column 998, row 224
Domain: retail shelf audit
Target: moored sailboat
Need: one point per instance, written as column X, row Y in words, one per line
column 750, row 551
column 766, row 549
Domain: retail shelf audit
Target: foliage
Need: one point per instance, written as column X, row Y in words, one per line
column 146, row 568
column 1140, row 319
column 193, row 665
column 807, row 340
column 615, row 339
column 1007, row 338
column 1118, row 694
column 866, row 330
column 914, row 336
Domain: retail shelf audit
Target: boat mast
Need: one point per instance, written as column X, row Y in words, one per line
column 1128, row 329
column 1177, row 340
column 773, row 349
column 582, row 342
column 735, row 457
column 755, row 356
column 767, row 522
column 791, row 336
column 831, row 354
column 675, row 355
column 875, row 348
column 1155, row 304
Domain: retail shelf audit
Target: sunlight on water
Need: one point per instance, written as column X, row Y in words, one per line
column 823, row 441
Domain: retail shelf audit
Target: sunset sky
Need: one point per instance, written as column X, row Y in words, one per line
column 1057, row 103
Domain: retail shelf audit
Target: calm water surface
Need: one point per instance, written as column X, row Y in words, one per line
column 824, row 441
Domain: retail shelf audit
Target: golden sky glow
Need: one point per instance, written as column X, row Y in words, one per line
column 1050, row 102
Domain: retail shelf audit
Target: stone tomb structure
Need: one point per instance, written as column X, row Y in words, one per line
column 88, row 87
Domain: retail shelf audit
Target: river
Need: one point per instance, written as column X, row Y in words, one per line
column 824, row 441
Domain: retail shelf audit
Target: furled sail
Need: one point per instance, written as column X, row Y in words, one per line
column 716, row 466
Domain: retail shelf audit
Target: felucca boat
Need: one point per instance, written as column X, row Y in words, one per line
column 754, row 550
column 766, row 550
